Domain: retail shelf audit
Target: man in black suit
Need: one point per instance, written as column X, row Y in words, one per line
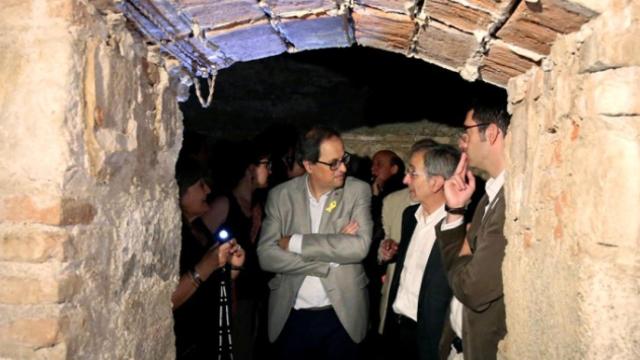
column 420, row 293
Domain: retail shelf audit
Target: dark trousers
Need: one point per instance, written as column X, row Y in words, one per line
column 315, row 335
column 400, row 337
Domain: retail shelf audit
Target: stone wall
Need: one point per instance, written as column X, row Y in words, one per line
column 399, row 137
column 89, row 221
column 572, row 265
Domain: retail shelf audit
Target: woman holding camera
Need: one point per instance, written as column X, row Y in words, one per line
column 202, row 299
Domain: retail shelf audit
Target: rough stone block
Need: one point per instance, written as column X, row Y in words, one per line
column 383, row 30
column 248, row 42
column 517, row 87
column 221, row 13
column 614, row 41
column 445, row 46
column 501, row 63
column 23, row 352
column 22, row 14
column 299, row 8
column 30, row 284
column 33, row 245
column 28, row 290
column 33, row 332
column 612, row 92
column 406, row 7
column 459, row 15
column 318, row 33
column 534, row 26
column 24, row 208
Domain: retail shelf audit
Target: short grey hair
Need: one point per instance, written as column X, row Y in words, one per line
column 439, row 160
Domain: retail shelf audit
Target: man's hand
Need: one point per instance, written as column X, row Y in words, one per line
column 388, row 249
column 459, row 187
column 351, row 228
column 376, row 187
column 284, row 242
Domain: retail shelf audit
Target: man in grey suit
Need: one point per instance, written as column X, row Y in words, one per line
column 316, row 232
column 473, row 258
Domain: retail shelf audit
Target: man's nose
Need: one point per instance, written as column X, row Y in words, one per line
column 406, row 179
column 462, row 143
column 342, row 167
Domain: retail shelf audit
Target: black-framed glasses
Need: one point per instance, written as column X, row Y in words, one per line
column 266, row 163
column 464, row 135
column 335, row 164
column 467, row 127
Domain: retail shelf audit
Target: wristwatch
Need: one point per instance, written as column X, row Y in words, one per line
column 455, row 211
column 196, row 277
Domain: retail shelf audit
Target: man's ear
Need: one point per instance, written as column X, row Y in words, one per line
column 394, row 169
column 436, row 183
column 307, row 165
column 492, row 133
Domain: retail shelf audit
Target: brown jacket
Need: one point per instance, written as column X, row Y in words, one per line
column 476, row 280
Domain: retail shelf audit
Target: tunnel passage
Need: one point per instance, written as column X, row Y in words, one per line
column 80, row 278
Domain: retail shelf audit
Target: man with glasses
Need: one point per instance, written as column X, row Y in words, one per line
column 419, row 293
column 316, row 232
column 473, row 257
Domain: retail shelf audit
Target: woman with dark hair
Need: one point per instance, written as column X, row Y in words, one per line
column 201, row 301
column 241, row 212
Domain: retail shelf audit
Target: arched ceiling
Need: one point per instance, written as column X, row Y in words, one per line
column 488, row 39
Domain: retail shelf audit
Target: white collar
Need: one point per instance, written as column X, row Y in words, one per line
column 313, row 198
column 493, row 186
column 433, row 217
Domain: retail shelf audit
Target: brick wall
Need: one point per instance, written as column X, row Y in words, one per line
column 89, row 223
column 571, row 268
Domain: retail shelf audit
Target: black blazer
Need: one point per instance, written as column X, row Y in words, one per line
column 435, row 293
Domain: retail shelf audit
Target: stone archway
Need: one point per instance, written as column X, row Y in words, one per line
column 491, row 40
column 91, row 130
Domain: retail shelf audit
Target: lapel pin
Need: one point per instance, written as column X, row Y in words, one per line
column 331, row 206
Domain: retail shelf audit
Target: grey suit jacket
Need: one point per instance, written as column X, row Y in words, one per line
column 287, row 213
column 476, row 280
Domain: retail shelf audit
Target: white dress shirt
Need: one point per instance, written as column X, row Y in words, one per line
column 415, row 262
column 312, row 293
column 492, row 188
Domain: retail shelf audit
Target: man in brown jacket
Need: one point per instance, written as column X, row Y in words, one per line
column 473, row 258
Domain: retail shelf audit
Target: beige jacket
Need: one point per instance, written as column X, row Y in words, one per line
column 287, row 213
column 393, row 206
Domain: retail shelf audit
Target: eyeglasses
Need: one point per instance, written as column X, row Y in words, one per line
column 412, row 173
column 335, row 164
column 267, row 163
column 463, row 135
column 467, row 127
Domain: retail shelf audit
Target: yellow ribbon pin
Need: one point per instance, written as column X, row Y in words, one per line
column 331, row 206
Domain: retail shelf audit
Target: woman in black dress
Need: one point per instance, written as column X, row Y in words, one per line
column 201, row 301
column 240, row 211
